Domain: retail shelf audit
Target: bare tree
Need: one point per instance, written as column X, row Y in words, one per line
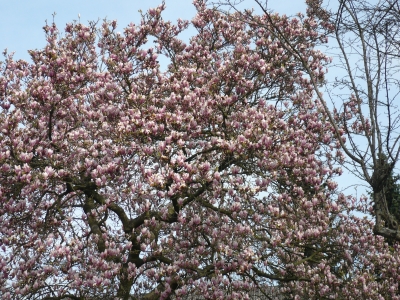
column 368, row 39
column 365, row 39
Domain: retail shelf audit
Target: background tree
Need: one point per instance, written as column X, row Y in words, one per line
column 364, row 39
column 372, row 77
column 213, row 177
column 392, row 194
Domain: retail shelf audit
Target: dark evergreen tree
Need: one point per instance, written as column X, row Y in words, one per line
column 392, row 194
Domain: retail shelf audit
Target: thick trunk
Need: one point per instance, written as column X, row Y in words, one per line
column 125, row 285
column 386, row 224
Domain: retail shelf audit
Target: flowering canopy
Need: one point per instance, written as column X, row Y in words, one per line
column 214, row 176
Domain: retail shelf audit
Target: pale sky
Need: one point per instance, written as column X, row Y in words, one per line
column 21, row 21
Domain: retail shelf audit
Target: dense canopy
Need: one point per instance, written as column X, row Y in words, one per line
column 212, row 176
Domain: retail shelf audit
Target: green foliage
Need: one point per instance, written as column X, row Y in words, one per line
column 392, row 195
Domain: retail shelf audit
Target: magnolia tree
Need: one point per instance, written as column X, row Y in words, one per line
column 214, row 176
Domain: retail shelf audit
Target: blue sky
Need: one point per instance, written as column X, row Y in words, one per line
column 21, row 21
